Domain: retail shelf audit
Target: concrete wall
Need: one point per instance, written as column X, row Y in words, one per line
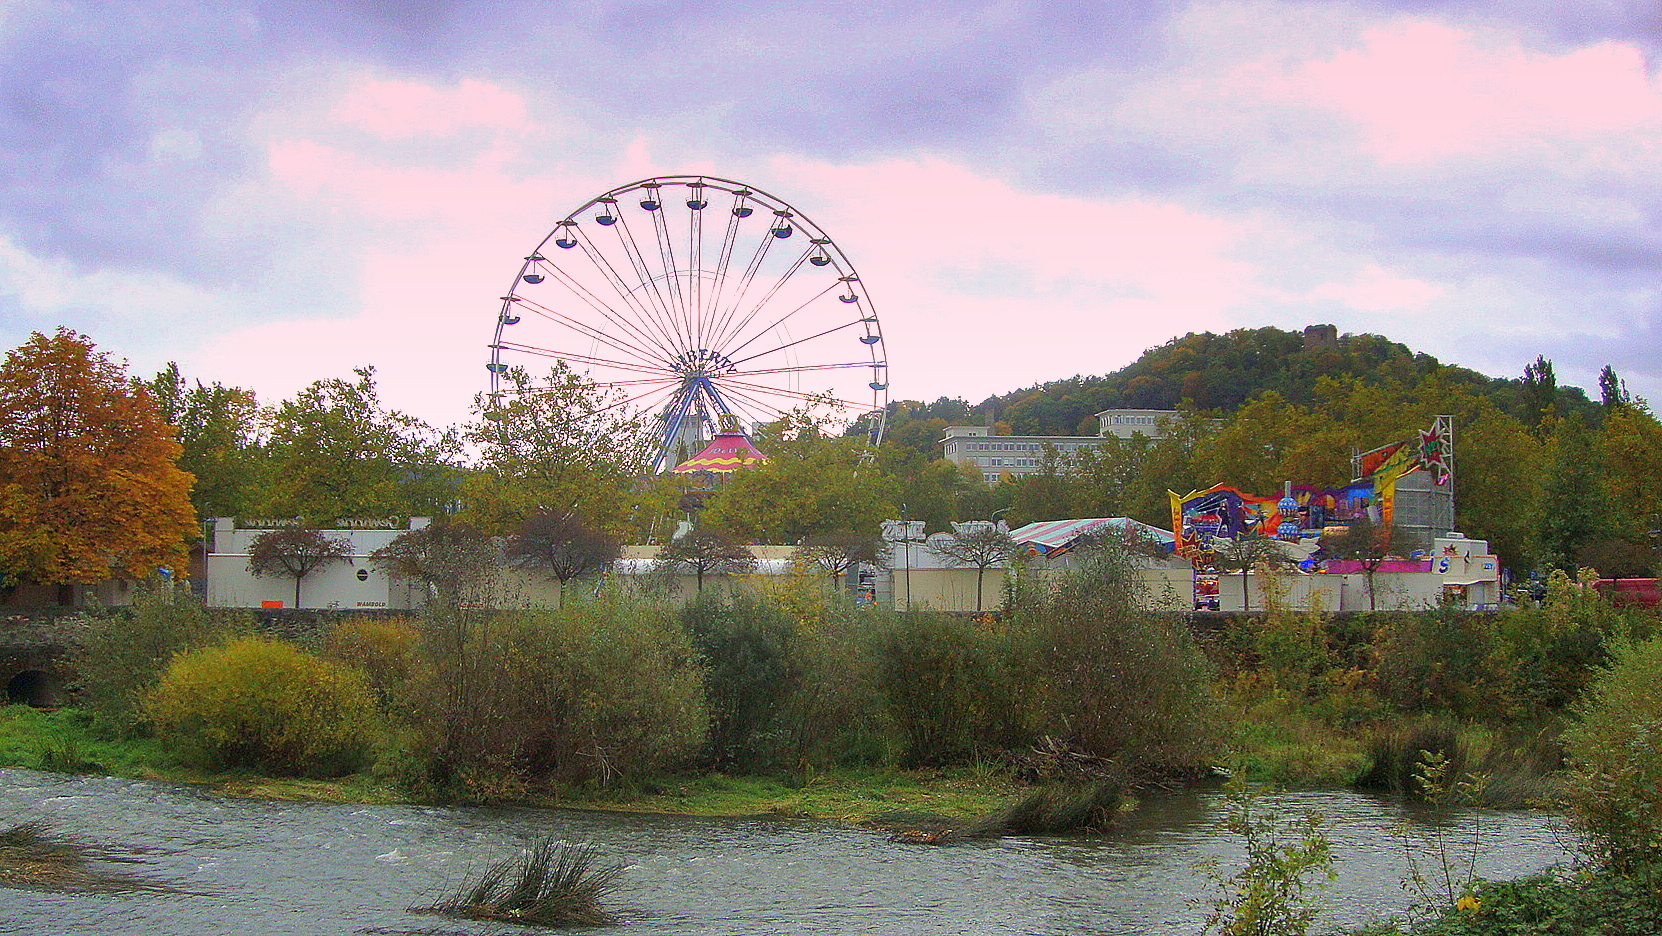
column 351, row 583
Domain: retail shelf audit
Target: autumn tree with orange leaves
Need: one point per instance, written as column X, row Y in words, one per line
column 90, row 487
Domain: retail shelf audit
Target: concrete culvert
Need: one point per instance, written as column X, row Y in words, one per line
column 33, row 688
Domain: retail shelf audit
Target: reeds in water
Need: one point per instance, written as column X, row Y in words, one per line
column 1049, row 810
column 32, row 858
column 549, row 885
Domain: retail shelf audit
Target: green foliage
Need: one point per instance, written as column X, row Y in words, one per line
column 812, row 483
column 336, row 451
column 956, row 688
column 1115, row 680
column 219, row 429
column 1441, row 872
column 558, row 443
column 1616, row 751
column 125, row 652
column 600, row 691
column 385, row 650
column 549, row 885
column 749, row 645
column 1270, row 894
column 1447, row 660
column 264, row 705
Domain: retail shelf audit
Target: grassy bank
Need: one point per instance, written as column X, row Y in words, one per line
column 73, row 741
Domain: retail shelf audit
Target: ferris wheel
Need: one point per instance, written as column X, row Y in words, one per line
column 702, row 301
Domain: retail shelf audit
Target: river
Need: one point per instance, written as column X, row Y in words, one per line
column 255, row 867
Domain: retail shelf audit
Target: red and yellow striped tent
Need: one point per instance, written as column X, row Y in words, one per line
column 727, row 452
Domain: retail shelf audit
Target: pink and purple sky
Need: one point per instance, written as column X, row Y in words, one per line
column 273, row 192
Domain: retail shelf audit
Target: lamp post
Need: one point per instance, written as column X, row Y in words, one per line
column 906, row 540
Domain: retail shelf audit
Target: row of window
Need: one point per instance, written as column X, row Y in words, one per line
column 952, row 447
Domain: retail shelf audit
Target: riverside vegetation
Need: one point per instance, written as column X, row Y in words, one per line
column 781, row 695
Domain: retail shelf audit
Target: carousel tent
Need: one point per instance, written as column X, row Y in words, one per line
column 727, row 452
column 1055, row 537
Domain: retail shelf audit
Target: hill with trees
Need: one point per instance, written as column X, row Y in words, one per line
column 1211, row 372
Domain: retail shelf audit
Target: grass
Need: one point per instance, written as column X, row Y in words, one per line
column 1049, row 810
column 548, row 885
column 32, row 858
column 71, row 741
column 74, row 741
column 848, row 795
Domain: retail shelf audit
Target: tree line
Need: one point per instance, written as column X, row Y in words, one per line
column 103, row 473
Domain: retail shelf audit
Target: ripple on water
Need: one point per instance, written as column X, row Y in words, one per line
column 261, row 867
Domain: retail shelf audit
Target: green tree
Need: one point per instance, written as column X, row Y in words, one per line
column 1540, row 391
column 219, row 430
column 705, row 552
column 1575, row 514
column 812, row 483
column 337, row 451
column 1612, row 390
column 561, row 444
column 90, row 486
column 294, row 552
column 981, row 545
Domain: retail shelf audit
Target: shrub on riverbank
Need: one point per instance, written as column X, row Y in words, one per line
column 1616, row 795
column 1115, row 680
column 598, row 692
column 125, row 652
column 264, row 705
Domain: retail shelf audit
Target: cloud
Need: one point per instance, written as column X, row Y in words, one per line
column 276, row 191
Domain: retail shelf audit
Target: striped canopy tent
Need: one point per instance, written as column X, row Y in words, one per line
column 1055, row 537
column 726, row 453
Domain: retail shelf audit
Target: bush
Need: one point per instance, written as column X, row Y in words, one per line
column 597, row 692
column 1117, row 681
column 1616, row 751
column 264, row 705
column 124, row 654
column 1447, row 660
column 953, row 686
column 749, row 646
column 384, row 649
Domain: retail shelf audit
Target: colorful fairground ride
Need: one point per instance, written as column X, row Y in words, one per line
column 1407, row 487
column 707, row 303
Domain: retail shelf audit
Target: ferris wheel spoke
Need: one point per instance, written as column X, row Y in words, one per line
column 666, row 252
column 724, row 259
column 801, row 369
column 798, row 395
column 752, row 405
column 745, row 279
column 633, row 367
column 647, row 316
column 792, row 344
column 785, row 318
column 649, row 282
column 590, row 332
column 604, row 309
column 772, row 292
column 695, row 263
